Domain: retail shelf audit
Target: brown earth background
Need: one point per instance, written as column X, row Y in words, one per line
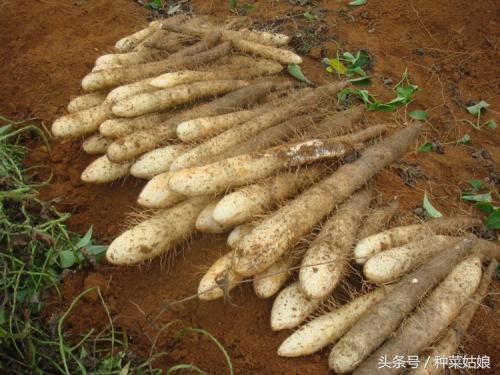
column 450, row 48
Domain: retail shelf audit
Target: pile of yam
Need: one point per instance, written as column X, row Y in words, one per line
column 229, row 144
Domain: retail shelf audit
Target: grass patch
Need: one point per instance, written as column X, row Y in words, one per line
column 35, row 250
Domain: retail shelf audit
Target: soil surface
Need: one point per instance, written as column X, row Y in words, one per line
column 450, row 49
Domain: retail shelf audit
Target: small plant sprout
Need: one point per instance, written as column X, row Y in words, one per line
column 351, row 66
column 404, row 95
column 476, row 110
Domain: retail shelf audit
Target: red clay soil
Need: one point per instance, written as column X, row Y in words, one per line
column 451, row 51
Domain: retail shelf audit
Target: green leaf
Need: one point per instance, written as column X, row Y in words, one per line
column 465, row 140
column 85, row 240
column 310, row 16
column 493, row 221
column 426, row 147
column 98, row 251
column 429, row 208
column 360, row 81
column 476, row 108
column 491, row 124
column 337, row 66
column 67, row 258
column 2, row 316
column 356, row 3
column 486, row 207
column 295, row 71
column 486, row 197
column 475, row 183
column 418, row 114
column 233, row 4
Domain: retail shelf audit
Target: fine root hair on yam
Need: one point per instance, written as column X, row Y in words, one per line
column 157, row 194
column 102, row 171
column 156, row 235
column 291, row 307
column 324, row 263
column 219, row 279
column 385, row 317
column 108, row 78
column 447, row 345
column 157, row 161
column 326, row 329
column 435, row 313
column 206, row 223
column 281, row 230
column 338, row 123
column 86, row 101
column 96, row 144
column 391, row 264
column 377, row 219
column 158, row 100
column 119, row 127
column 398, row 236
column 248, row 202
column 81, row 123
column 135, row 144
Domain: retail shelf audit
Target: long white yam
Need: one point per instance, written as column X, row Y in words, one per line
column 125, row 91
column 280, row 231
column 96, row 144
column 259, row 68
column 102, row 171
column 384, row 318
column 291, row 307
column 82, row 122
column 140, row 104
column 325, row 262
column 206, row 223
column 281, row 55
column 244, row 204
column 377, row 219
column 157, row 194
column 299, row 102
column 266, row 284
column 247, row 168
column 120, row 127
column 135, row 144
column 164, row 40
column 204, row 127
column 129, row 42
column 220, row 278
column 86, row 101
column 154, row 162
column 182, row 77
column 108, row 78
column 398, row 236
column 391, row 264
column 435, row 313
column 145, row 55
column 156, row 235
column 450, row 341
column 328, row 328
